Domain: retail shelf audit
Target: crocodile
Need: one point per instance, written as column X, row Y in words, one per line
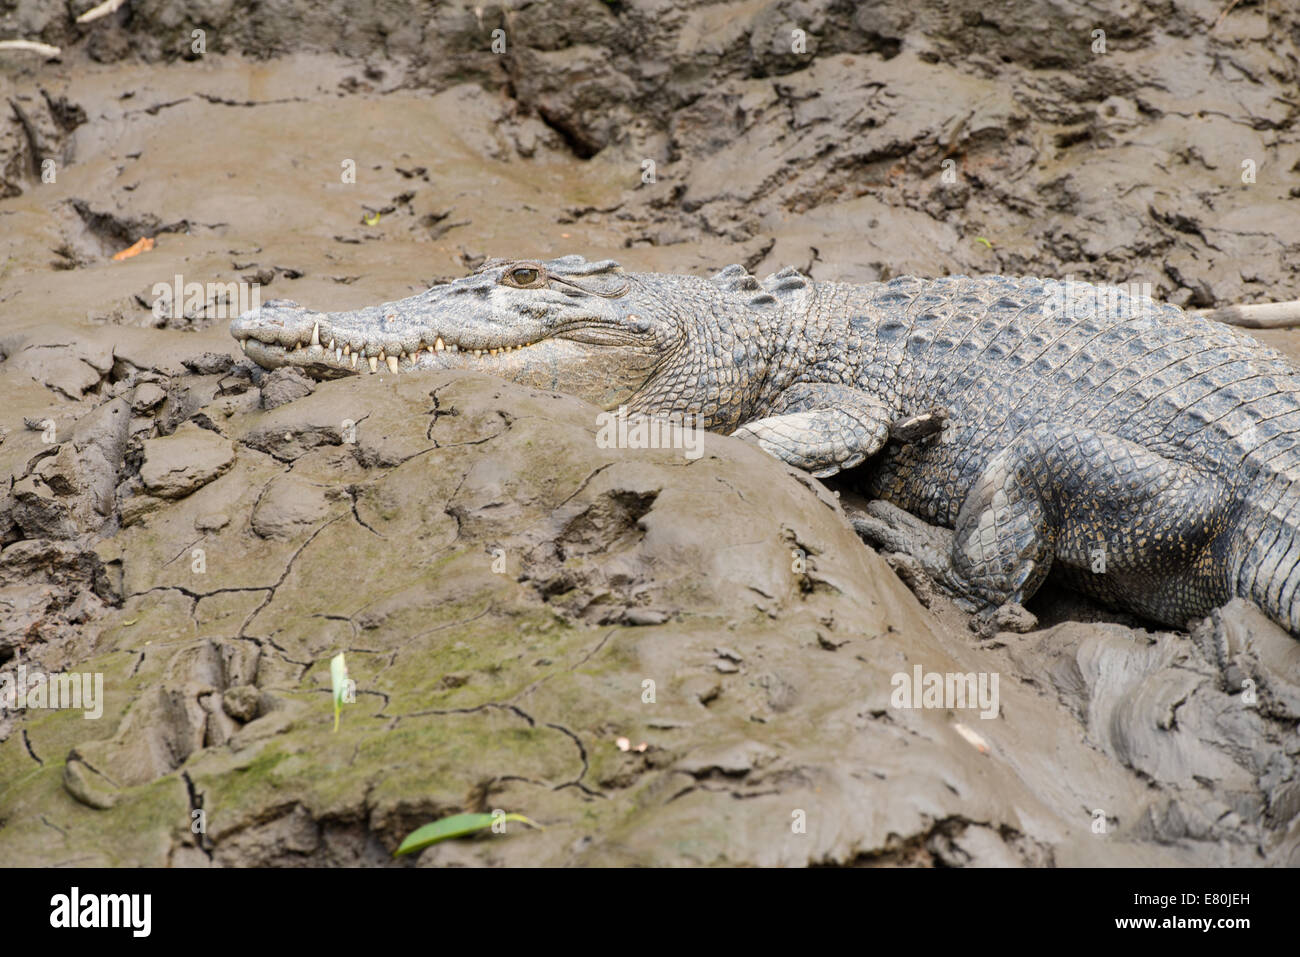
column 1144, row 456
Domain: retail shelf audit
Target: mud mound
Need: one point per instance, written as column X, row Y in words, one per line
column 513, row 601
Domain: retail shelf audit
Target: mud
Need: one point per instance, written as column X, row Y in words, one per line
column 513, row 600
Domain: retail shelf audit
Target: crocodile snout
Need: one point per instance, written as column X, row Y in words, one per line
column 279, row 321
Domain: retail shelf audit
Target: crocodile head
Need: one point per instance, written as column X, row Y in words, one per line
column 584, row 328
column 573, row 326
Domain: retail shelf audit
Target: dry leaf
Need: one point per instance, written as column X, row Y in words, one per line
column 142, row 245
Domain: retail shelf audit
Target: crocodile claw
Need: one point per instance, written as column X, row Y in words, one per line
column 888, row 528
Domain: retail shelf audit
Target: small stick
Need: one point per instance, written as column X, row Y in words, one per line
column 31, row 46
column 1264, row 315
column 1227, row 10
column 103, row 10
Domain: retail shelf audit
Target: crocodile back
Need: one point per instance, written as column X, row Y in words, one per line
column 1004, row 354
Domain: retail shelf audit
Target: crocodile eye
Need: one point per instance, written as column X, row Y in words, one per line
column 524, row 276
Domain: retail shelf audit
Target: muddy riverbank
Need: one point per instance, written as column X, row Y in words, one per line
column 206, row 537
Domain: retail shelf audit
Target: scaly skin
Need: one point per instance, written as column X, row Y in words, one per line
column 1146, row 456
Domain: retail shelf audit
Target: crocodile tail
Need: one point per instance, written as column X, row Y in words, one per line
column 1267, row 547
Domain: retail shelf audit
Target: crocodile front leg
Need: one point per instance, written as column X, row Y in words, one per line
column 822, row 427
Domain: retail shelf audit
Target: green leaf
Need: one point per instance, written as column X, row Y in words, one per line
column 458, row 825
column 339, row 681
column 981, row 239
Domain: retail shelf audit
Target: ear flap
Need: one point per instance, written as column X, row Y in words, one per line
column 602, row 278
column 567, row 264
column 577, row 266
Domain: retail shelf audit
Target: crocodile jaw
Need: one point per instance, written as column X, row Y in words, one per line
column 330, row 359
column 284, row 334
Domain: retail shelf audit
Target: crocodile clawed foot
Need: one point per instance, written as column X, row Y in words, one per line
column 1009, row 617
column 913, row 548
column 887, row 526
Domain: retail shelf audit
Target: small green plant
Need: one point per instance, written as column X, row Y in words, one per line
column 458, row 825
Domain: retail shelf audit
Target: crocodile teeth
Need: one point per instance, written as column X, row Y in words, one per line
column 477, row 353
column 338, row 355
column 243, row 345
column 347, row 349
column 331, row 344
column 392, row 364
column 315, row 334
column 354, row 360
column 382, row 356
column 438, row 344
column 492, row 352
column 374, row 364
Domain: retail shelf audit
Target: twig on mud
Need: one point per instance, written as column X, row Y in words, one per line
column 1227, row 10
column 103, row 10
column 31, row 46
column 1264, row 315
